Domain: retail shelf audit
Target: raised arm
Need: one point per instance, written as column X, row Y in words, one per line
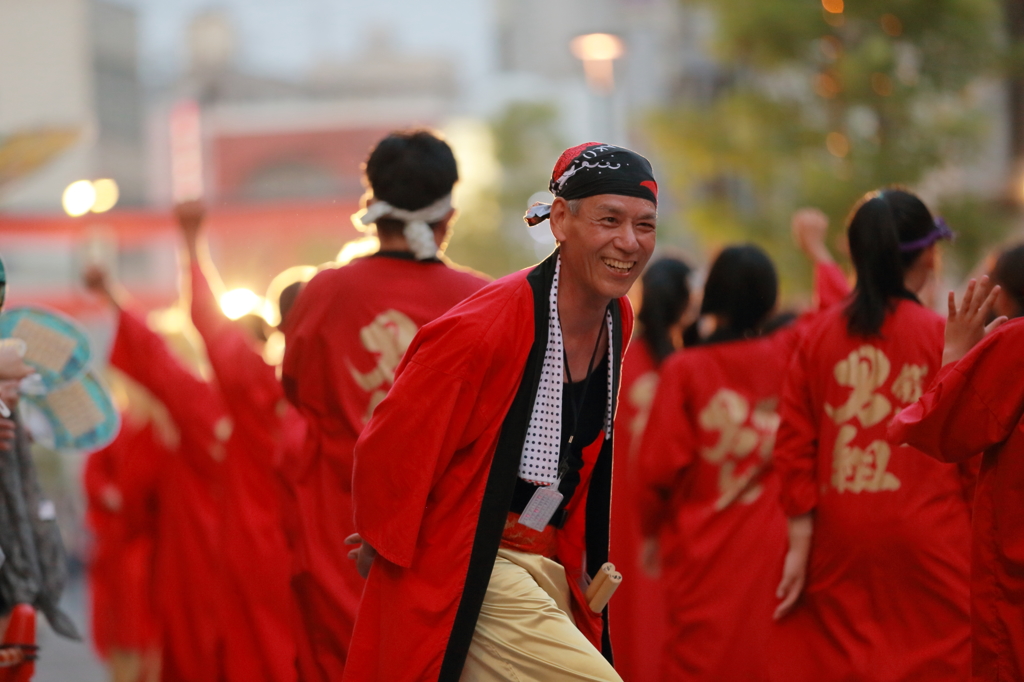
column 976, row 401
column 239, row 368
column 206, row 314
column 810, row 229
column 144, row 356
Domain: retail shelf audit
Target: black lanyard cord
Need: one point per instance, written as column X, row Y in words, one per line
column 578, row 409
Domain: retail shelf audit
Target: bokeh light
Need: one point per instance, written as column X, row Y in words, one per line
column 827, row 85
column 833, row 6
column 357, row 248
column 78, row 198
column 107, row 194
column 892, row 25
column 837, row 144
column 881, row 84
column 598, row 47
column 239, row 302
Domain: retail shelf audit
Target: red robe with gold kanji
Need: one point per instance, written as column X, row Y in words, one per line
column 975, row 405
column 886, row 596
column 705, row 489
column 189, row 570
column 711, row 498
column 346, row 336
column 258, row 561
column 121, row 563
column 638, row 609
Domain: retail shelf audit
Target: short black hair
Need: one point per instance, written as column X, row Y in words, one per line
column 411, row 169
column 286, row 300
column 1008, row 273
column 741, row 288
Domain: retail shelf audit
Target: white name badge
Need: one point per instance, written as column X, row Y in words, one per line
column 541, row 507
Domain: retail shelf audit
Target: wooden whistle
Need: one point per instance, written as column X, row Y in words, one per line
column 602, row 575
column 605, row 591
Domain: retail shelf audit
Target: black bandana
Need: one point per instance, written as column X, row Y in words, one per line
column 596, row 168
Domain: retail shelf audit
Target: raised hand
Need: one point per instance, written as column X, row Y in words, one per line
column 966, row 324
column 96, row 280
column 94, row 277
column 12, row 364
column 810, row 227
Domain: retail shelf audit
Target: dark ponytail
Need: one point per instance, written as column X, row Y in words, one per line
column 741, row 289
column 666, row 294
column 879, row 223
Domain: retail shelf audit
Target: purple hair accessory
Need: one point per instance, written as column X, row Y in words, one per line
column 940, row 231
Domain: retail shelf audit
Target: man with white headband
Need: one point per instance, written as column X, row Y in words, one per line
column 482, row 484
column 346, row 334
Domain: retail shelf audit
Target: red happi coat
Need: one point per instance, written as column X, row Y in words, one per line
column 434, row 474
column 706, row 491
column 189, row 571
column 346, row 335
column 886, row 596
column 712, row 499
column 638, row 609
column 977, row 404
column 258, row 565
column 121, row 563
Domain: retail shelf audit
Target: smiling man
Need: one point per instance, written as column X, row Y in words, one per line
column 482, row 482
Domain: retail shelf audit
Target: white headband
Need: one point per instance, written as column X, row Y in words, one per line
column 417, row 223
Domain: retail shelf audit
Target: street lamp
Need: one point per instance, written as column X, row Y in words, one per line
column 598, row 52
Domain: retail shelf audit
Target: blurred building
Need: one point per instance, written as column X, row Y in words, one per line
column 664, row 53
column 72, row 64
column 266, row 139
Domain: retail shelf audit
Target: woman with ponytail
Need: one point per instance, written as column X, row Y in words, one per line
column 638, row 610
column 707, row 494
column 875, row 580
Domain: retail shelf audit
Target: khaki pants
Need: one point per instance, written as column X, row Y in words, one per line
column 525, row 631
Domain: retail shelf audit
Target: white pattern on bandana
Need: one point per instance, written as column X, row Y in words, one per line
column 539, row 461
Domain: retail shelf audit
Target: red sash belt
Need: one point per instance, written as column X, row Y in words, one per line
column 522, row 539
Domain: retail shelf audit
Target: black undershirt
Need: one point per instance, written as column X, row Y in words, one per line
column 592, row 416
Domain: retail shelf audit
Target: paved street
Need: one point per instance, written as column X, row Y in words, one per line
column 62, row 660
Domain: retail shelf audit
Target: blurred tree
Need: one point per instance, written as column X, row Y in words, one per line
column 526, row 144
column 818, row 103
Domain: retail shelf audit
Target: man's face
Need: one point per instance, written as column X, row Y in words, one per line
column 607, row 243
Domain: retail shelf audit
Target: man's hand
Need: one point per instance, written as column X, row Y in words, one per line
column 794, row 570
column 810, row 227
column 965, row 325
column 12, row 365
column 363, row 555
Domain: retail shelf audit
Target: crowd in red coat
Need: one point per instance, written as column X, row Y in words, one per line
column 793, row 499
